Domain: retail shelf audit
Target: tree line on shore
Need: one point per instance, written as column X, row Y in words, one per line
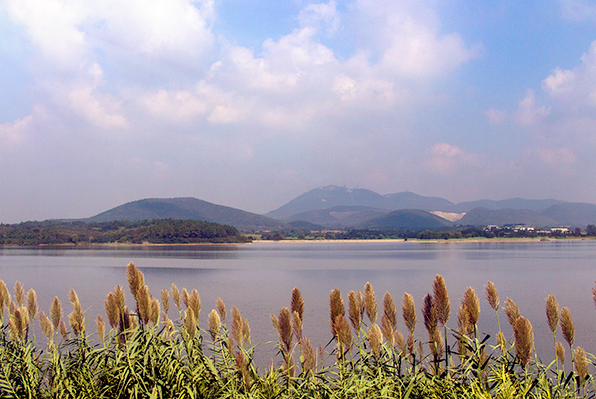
column 162, row 231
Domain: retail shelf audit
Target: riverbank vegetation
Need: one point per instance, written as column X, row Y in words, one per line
column 141, row 352
column 160, row 231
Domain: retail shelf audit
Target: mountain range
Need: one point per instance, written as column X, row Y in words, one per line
column 335, row 207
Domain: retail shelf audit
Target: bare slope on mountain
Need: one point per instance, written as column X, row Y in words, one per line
column 186, row 208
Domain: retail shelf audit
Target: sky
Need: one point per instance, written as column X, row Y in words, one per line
column 250, row 103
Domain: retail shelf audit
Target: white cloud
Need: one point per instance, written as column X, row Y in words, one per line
column 528, row 112
column 407, row 35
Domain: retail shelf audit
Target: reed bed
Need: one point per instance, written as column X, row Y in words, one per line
column 142, row 353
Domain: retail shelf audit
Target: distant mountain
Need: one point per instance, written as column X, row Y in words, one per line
column 186, row 208
column 564, row 214
column 329, row 197
column 339, row 216
column 482, row 216
column 410, row 219
column 332, row 196
column 572, row 214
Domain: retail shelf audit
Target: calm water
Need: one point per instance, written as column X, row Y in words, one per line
column 259, row 278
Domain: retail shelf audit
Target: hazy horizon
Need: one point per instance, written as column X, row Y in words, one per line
column 250, row 104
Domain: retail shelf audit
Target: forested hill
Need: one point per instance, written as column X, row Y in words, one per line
column 186, row 208
column 163, row 231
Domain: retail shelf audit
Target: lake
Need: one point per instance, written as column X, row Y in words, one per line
column 259, row 278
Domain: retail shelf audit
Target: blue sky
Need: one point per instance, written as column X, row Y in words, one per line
column 251, row 103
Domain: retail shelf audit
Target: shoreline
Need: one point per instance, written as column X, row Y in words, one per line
column 350, row 241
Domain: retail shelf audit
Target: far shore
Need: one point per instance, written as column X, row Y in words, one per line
column 322, row 241
column 451, row 240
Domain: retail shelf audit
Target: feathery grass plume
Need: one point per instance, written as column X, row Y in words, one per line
column 491, row 295
column 387, row 330
column 370, row 303
column 408, row 308
column 76, row 318
column 375, row 339
column 143, row 298
column 154, row 316
column 46, row 325
column 214, row 324
column 308, row 353
column 62, row 329
column 297, row 325
column 437, row 344
column 165, row 301
column 524, row 340
column 176, row 296
column 441, row 300
column 512, row 312
column 399, row 342
column 17, row 325
column 567, row 327
column 12, row 307
column 184, row 297
column 344, row 333
column 560, row 350
column 389, row 309
column 221, row 308
column 237, row 325
column 360, row 296
column 284, row 329
column 336, row 308
column 101, row 328
column 354, row 311
column 190, row 323
column 112, row 310
column 32, row 304
column 429, row 313
column 472, row 305
column 242, row 365
column 552, row 312
column 245, row 331
column 194, row 301
column 56, row 312
column 580, row 364
column 464, row 328
column 136, row 280
column 19, row 293
column 297, row 304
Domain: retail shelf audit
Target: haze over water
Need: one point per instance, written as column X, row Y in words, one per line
column 259, row 278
